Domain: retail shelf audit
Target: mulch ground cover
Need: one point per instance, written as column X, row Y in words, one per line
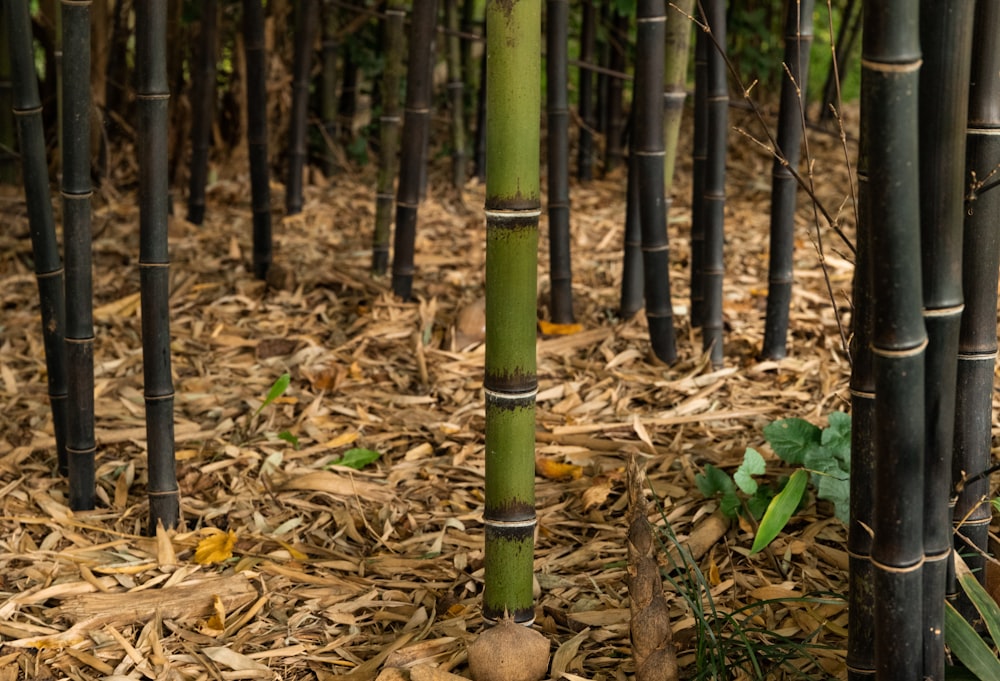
column 309, row 570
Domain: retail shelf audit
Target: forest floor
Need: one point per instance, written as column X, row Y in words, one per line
column 341, row 572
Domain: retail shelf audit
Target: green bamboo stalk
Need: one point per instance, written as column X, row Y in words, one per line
column 648, row 148
column 456, row 91
column 153, row 97
column 557, row 110
column 981, row 259
column 394, row 41
column 260, row 183
column 891, row 66
column 328, row 86
column 76, row 192
column 585, row 93
column 861, row 589
column 675, row 67
column 791, row 119
column 416, row 130
column 946, row 42
column 44, row 245
column 717, row 106
column 512, row 214
column 306, row 20
column 203, row 109
column 699, row 155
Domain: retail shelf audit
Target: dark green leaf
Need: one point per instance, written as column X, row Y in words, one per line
column 278, row 389
column 966, row 644
column 729, row 504
column 837, row 489
column 357, row 458
column 981, row 599
column 780, row 510
column 753, row 464
column 714, row 481
column 758, row 503
column 791, row 439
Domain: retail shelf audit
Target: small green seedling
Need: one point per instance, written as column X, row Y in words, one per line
column 276, row 390
column 356, row 458
column 825, row 457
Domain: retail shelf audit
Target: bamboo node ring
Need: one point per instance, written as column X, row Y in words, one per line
column 899, row 354
column 898, row 570
column 511, row 396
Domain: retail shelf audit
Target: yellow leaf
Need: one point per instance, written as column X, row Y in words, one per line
column 292, row 551
column 551, row 329
column 555, row 470
column 217, row 621
column 714, row 578
column 215, row 548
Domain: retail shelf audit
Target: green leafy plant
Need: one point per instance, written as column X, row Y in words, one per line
column 824, row 455
column 276, row 390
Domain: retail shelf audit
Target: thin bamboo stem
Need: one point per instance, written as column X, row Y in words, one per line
column 557, row 111
column 203, row 113
column 699, row 155
column 389, row 128
column 306, row 21
column 260, row 173
column 456, row 93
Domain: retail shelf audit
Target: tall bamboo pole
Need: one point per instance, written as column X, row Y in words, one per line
column 512, row 213
column 946, row 41
column 791, row 119
column 861, row 596
column 632, row 295
column 456, row 93
column 8, row 129
column 306, row 21
column 76, row 193
column 44, row 244
column 648, row 148
column 585, row 93
column 153, row 97
column 891, row 65
column 203, row 109
column 613, row 151
column 699, row 154
column 717, row 106
column 675, row 67
column 416, row 130
column 981, row 259
column 328, row 85
column 389, row 126
column 557, row 110
column 260, row 173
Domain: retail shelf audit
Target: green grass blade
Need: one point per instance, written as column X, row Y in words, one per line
column 968, row 647
column 980, row 598
column 780, row 510
column 278, row 389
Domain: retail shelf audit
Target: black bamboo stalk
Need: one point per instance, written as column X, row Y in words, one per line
column 479, row 143
column 456, row 92
column 347, row 104
column 416, row 128
column 632, row 296
column 260, row 187
column 699, row 155
column 717, row 111
column 116, row 79
column 328, row 86
column 648, row 148
column 44, row 244
column 945, row 41
column 585, row 93
column 891, row 66
column 861, row 603
column 8, row 130
column 203, row 109
column 602, row 56
column 613, row 150
column 389, row 128
column 981, row 260
column 152, row 99
column 76, row 193
column 306, row 23
column 557, row 109
column 798, row 40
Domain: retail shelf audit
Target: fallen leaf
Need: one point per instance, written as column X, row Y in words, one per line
column 557, row 470
column 552, row 329
column 215, row 548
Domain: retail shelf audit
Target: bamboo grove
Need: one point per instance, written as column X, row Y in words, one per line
column 927, row 250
